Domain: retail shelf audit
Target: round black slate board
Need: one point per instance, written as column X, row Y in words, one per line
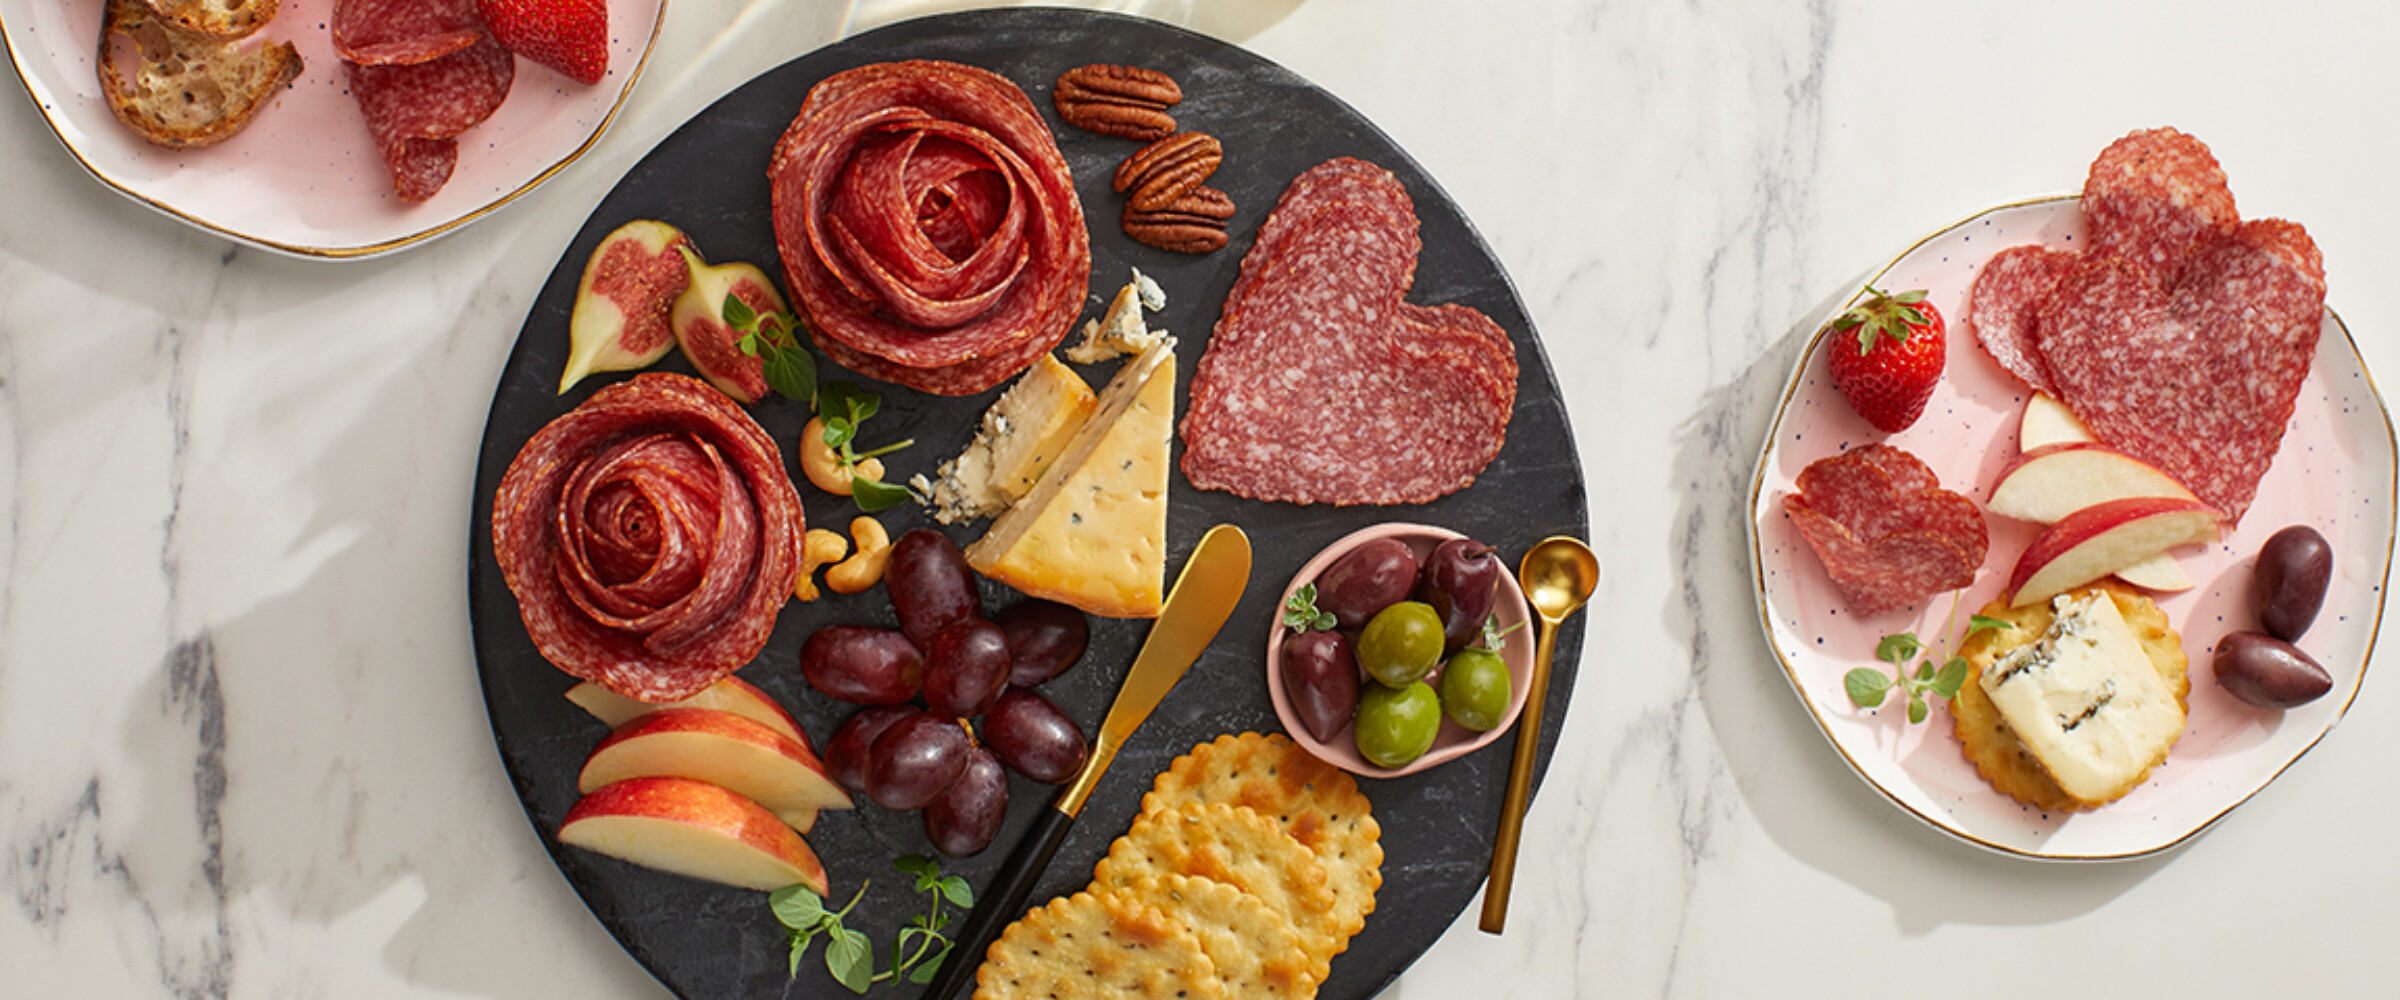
column 709, row 178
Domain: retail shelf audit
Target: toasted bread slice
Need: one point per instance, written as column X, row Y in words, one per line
column 217, row 18
column 185, row 90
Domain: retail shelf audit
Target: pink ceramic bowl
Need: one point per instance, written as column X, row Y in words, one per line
column 1454, row 740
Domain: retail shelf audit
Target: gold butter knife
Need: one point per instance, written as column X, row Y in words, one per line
column 1204, row 595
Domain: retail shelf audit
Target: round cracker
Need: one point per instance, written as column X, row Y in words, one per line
column 1097, row 945
column 1985, row 738
column 1317, row 803
column 1236, row 846
column 1257, row 951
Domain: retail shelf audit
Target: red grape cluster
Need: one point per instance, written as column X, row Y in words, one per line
column 929, row 683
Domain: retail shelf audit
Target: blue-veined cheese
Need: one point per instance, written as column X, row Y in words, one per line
column 2085, row 700
column 1022, row 434
column 1093, row 532
column 1121, row 331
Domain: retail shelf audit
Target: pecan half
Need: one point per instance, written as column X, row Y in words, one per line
column 1163, row 171
column 1193, row 223
column 1124, row 101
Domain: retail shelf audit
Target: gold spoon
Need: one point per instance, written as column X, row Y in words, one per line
column 1558, row 575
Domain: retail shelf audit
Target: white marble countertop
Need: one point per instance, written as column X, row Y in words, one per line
column 242, row 748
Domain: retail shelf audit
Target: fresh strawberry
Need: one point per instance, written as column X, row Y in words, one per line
column 1887, row 356
column 570, row 36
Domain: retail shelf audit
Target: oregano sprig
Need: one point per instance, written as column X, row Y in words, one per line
column 918, row 949
column 1300, row 611
column 843, row 406
column 1868, row 686
column 789, row 369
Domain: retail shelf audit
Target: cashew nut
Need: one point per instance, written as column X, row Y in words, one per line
column 865, row 566
column 818, row 548
column 823, row 465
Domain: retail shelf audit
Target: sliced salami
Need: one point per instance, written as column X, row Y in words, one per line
column 2198, row 379
column 2005, row 305
column 650, row 535
column 1321, row 384
column 413, row 110
column 1887, row 533
column 2152, row 198
column 403, row 32
column 928, row 225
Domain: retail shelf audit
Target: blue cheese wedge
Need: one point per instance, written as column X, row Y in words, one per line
column 1121, row 331
column 1025, row 431
column 1093, row 532
column 2085, row 701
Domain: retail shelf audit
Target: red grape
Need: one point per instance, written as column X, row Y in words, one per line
column 915, row 760
column 1044, row 639
column 966, row 668
column 1034, row 738
column 846, row 752
column 962, row 820
column 929, row 584
column 862, row 664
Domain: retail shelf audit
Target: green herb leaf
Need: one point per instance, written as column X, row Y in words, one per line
column 738, row 313
column 845, row 401
column 1916, row 708
column 1951, row 678
column 789, row 371
column 1867, row 686
column 1985, row 623
column 1300, row 612
column 797, row 907
column 851, row 959
column 958, row 892
column 1898, row 649
column 874, row 496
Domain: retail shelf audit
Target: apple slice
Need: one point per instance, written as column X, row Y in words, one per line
column 713, row 347
column 2055, row 480
column 2159, row 573
column 2048, row 421
column 692, row 828
column 721, row 748
column 629, row 284
column 732, row 694
column 2106, row 537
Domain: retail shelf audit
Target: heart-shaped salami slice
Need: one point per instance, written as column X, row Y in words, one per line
column 2200, row 378
column 1321, row 384
column 1886, row 531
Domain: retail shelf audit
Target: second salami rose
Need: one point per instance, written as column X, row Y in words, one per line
column 650, row 535
column 928, row 225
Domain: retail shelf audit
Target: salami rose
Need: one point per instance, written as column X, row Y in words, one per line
column 928, row 226
column 650, row 536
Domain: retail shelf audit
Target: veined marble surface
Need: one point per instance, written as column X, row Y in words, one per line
column 242, row 749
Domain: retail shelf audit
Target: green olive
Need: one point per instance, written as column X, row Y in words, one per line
column 1475, row 688
column 1397, row 725
column 1401, row 644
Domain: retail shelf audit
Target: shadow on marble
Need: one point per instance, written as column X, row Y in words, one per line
column 1803, row 796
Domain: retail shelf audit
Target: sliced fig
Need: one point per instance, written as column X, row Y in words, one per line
column 714, row 347
column 621, row 307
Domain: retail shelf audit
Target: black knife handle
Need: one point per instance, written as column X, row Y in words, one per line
column 1001, row 902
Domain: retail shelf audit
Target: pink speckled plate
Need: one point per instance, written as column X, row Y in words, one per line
column 1454, row 740
column 304, row 177
column 2335, row 472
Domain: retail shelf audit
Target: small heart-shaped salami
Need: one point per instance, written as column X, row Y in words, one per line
column 1887, row 532
column 1321, row 384
column 2198, row 379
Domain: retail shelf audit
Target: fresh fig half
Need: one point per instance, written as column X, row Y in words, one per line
column 712, row 345
column 630, row 284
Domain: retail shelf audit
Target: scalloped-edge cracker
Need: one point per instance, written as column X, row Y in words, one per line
column 1317, row 803
column 1985, row 738
column 1098, row 945
column 1257, row 951
column 1237, row 846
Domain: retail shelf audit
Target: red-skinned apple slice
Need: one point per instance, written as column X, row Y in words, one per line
column 699, row 320
column 2159, row 573
column 2055, row 480
column 695, row 829
column 2048, row 421
column 732, row 694
column 721, row 748
column 2101, row 539
column 621, row 306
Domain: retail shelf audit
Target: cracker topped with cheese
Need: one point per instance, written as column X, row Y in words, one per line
column 2071, row 707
